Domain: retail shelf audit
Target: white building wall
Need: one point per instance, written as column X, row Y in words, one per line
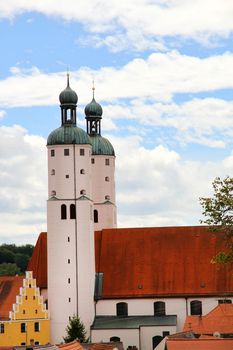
column 147, row 333
column 127, row 336
column 174, row 306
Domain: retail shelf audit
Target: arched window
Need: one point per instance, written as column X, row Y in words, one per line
column 107, row 178
column 72, row 211
column 115, row 339
column 107, row 197
column 53, row 172
column 82, row 171
column 96, row 219
column 159, row 308
column 53, row 193
column 63, row 212
column 83, row 192
column 156, row 340
column 122, row 309
column 196, row 307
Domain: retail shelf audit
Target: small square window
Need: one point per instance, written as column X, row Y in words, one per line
column 92, row 160
column 82, row 152
column 107, row 161
column 26, row 297
column 67, row 176
column 52, row 152
column 66, row 152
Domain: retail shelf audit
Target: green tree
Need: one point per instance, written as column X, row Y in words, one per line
column 75, row 330
column 6, row 256
column 21, row 261
column 218, row 213
column 9, row 269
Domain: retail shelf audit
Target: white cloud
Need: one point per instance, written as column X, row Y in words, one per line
column 200, row 20
column 22, row 182
column 159, row 78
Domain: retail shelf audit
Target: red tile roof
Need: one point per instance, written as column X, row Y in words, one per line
column 74, row 345
column 199, row 344
column 166, row 261
column 148, row 262
column 9, row 289
column 38, row 261
column 220, row 320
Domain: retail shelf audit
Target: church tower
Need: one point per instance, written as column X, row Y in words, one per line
column 70, row 220
column 103, row 169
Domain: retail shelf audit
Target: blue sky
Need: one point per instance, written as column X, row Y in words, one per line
column 163, row 73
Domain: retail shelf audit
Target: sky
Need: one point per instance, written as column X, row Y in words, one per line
column 163, row 72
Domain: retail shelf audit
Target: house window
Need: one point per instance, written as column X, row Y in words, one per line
column 107, row 197
column 66, row 152
column 82, row 171
column 53, row 172
column 107, row 161
column 36, row 326
column 225, row 301
column 115, row 339
column 53, row 193
column 68, row 261
column 196, row 307
column 72, row 211
column 26, row 297
column 37, row 343
column 52, row 152
column 68, row 239
column 82, row 152
column 36, row 311
column 23, row 327
column 69, row 300
column 165, row 333
column 96, row 216
column 106, row 178
column 63, row 212
column 67, row 176
column 69, row 280
column 2, row 328
column 34, row 298
column 156, row 340
column 23, row 343
column 83, row 192
column 122, row 309
column 159, row 308
column 24, row 312
column 92, row 160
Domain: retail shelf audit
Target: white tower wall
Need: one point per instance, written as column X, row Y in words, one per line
column 71, row 269
column 103, row 174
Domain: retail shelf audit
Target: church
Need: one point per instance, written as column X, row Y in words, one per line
column 135, row 285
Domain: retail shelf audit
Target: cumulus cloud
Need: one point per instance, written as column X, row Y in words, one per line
column 201, row 21
column 157, row 187
column 22, row 182
column 159, row 77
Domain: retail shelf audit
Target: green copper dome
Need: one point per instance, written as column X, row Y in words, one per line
column 101, row 146
column 93, row 109
column 68, row 96
column 68, row 134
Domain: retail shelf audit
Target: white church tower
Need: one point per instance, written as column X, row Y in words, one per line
column 81, row 191
column 103, row 169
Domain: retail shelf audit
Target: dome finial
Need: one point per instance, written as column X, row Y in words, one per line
column 93, row 88
column 68, row 77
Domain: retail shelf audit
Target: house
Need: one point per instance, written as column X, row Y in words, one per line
column 23, row 315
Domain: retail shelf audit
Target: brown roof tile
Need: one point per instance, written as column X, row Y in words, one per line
column 38, row 261
column 199, row 344
column 9, row 289
column 220, row 320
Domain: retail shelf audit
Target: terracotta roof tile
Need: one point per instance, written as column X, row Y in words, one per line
column 102, row 346
column 220, row 319
column 148, row 262
column 38, row 261
column 9, row 288
column 74, row 345
column 199, row 344
column 166, row 261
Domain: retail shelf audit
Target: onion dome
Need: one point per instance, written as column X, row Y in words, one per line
column 101, row 146
column 93, row 109
column 68, row 134
column 68, row 96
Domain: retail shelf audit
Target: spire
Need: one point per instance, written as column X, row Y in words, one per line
column 93, row 112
